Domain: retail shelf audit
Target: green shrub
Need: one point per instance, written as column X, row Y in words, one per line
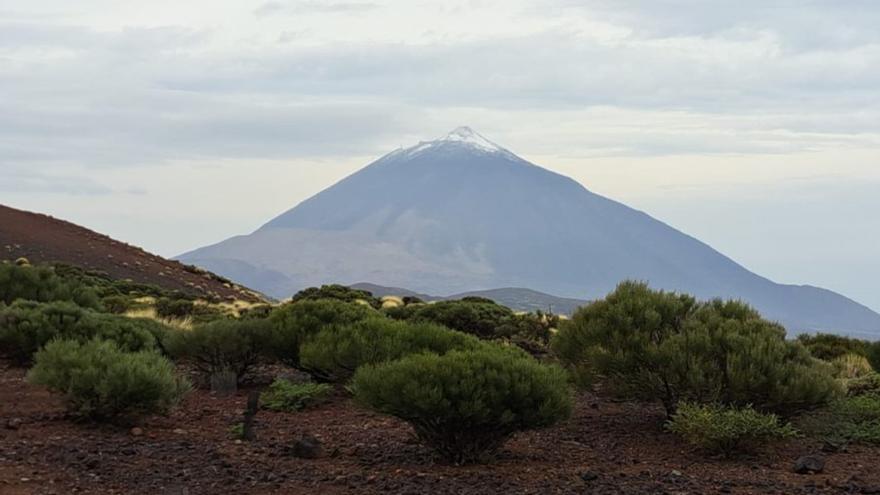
column 727, row 430
column 285, row 396
column 827, row 347
column 294, row 323
column 336, row 352
column 223, row 345
column 26, row 326
column 851, row 419
column 42, row 284
column 101, row 381
column 863, row 385
column 655, row 345
column 466, row 404
column 472, row 315
column 338, row 293
column 174, row 308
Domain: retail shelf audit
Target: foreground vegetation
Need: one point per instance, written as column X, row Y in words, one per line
column 467, row 375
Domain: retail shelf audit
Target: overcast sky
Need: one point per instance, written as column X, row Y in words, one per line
column 753, row 125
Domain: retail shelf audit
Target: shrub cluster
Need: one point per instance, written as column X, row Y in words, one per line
column 285, row 396
column 477, row 316
column 335, row 352
column 295, row 323
column 727, row 430
column 854, row 419
column 26, row 326
column 466, row 404
column 42, row 284
column 663, row 346
column 101, row 381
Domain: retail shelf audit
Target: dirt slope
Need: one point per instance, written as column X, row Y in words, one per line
column 44, row 239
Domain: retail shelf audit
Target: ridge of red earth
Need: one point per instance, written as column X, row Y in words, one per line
column 45, row 239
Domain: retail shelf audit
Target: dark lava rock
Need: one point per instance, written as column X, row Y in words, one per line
column 13, row 423
column 809, row 464
column 589, row 476
column 307, row 447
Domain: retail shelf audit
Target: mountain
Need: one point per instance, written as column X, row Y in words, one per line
column 44, row 239
column 518, row 299
column 461, row 213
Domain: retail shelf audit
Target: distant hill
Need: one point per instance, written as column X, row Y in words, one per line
column 515, row 298
column 461, row 213
column 44, row 239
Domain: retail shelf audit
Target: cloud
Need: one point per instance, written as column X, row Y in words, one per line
column 311, row 7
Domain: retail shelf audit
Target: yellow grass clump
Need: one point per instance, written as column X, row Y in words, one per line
column 852, row 366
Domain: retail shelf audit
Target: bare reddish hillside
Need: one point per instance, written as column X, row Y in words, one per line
column 44, row 239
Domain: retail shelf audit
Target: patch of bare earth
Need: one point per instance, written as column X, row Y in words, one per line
column 605, row 448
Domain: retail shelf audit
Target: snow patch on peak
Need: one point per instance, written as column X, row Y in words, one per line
column 461, row 136
column 469, row 136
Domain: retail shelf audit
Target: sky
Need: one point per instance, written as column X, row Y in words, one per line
column 751, row 125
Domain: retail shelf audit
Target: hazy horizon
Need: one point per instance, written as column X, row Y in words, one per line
column 753, row 128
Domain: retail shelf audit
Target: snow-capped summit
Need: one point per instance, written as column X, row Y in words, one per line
column 469, row 136
column 463, row 135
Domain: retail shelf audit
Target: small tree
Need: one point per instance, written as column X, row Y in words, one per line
column 223, row 345
column 621, row 339
column 466, row 404
column 294, row 323
column 100, row 381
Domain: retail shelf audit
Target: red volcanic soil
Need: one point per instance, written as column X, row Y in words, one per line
column 44, row 239
column 605, row 448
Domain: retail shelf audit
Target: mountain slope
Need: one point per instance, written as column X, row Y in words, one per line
column 44, row 239
column 461, row 213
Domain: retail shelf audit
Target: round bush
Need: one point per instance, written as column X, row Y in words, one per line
column 466, row 404
column 336, row 352
column 294, row 323
column 101, row 381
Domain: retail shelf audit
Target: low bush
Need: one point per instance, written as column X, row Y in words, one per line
column 466, row 404
column 294, row 323
column 727, row 430
column 863, row 385
column 42, row 284
column 100, row 381
column 476, row 316
column 828, row 347
column 223, row 345
column 338, row 293
column 849, row 420
column 655, row 345
column 285, row 396
column 27, row 326
column 336, row 352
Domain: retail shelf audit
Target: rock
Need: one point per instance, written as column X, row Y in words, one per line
column 137, row 432
column 307, row 447
column 809, row 464
column 589, row 476
column 13, row 423
column 873, row 489
column 676, row 473
column 178, row 431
